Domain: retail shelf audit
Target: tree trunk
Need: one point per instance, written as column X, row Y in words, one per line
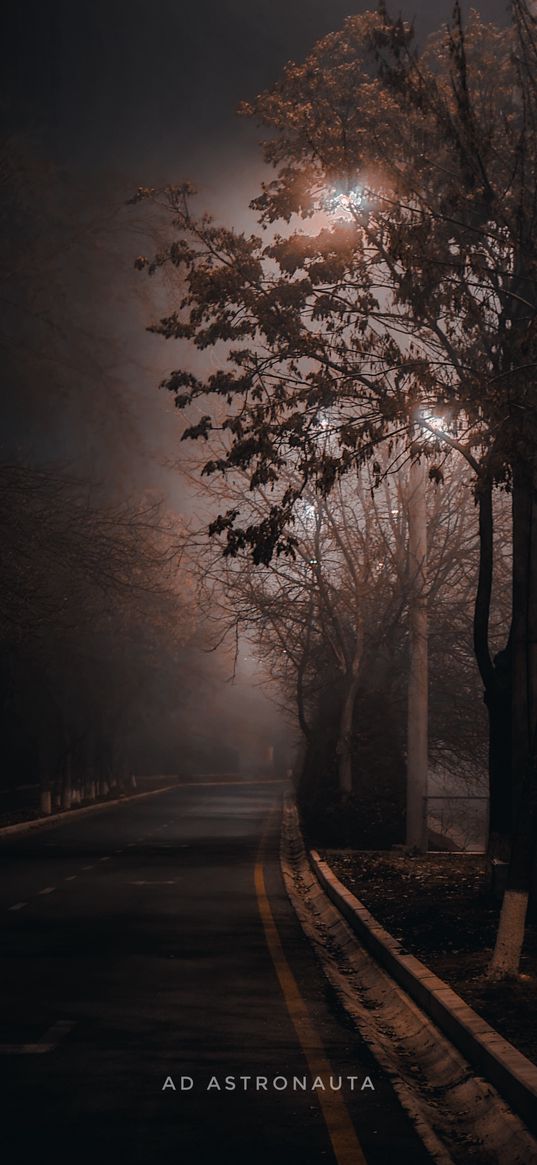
column 45, row 792
column 505, row 960
column 299, row 691
column 509, row 940
column 67, row 786
column 418, row 682
column 344, row 744
column 497, row 681
column 499, row 701
column 45, row 800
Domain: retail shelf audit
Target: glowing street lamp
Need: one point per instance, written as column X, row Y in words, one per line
column 345, row 204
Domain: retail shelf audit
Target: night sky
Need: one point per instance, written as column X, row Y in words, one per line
column 151, row 88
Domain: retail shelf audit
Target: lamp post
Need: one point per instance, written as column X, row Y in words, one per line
column 345, row 204
column 418, row 679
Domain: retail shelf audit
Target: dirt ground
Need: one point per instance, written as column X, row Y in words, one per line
column 442, row 910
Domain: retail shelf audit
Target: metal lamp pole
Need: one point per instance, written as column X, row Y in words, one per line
column 418, row 680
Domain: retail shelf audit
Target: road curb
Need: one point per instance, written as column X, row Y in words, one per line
column 511, row 1073
column 69, row 814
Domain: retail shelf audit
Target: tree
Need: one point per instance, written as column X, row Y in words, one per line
column 101, row 646
column 94, row 602
column 330, row 628
column 409, row 302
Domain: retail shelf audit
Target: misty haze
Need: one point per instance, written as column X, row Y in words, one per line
column 268, row 583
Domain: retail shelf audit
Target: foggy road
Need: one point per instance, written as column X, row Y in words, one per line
column 152, row 942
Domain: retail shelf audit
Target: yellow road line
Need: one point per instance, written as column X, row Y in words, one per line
column 345, row 1143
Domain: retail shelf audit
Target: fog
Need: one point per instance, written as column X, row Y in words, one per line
column 119, row 671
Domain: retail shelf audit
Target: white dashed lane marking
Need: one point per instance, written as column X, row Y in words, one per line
column 51, row 890
column 172, row 882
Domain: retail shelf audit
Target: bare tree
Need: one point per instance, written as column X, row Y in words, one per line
column 337, row 611
column 91, row 592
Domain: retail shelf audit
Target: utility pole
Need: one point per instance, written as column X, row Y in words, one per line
column 418, row 680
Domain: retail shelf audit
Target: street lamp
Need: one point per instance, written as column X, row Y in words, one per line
column 344, row 203
column 348, row 203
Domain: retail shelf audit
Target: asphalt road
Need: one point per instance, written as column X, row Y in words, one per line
column 155, row 940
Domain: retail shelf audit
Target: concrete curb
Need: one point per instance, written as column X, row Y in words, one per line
column 69, row 814
column 514, row 1076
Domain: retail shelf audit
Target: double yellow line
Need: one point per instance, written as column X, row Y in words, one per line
column 345, row 1144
